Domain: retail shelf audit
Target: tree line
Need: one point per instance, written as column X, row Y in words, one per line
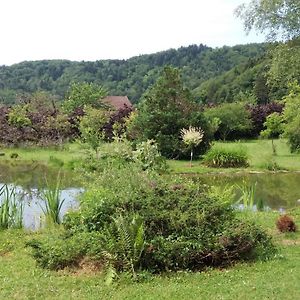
column 132, row 77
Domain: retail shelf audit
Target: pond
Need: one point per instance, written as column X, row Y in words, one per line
column 28, row 180
column 277, row 191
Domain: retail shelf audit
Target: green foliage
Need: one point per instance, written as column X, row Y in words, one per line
column 166, row 108
column 84, row 94
column 291, row 116
column 91, row 126
column 59, row 251
column 185, row 227
column 292, row 132
column 18, row 116
column 130, row 77
column 53, row 202
column 234, row 119
column 125, row 245
column 218, row 157
column 273, row 126
column 273, row 129
column 11, row 208
column 283, row 69
column 278, row 19
column 148, row 156
column 247, row 198
column 59, row 126
column 245, row 82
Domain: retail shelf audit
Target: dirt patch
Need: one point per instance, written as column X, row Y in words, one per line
column 85, row 267
column 290, row 242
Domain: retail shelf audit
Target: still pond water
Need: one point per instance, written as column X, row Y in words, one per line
column 278, row 191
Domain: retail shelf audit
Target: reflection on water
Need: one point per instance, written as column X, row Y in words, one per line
column 33, row 206
column 276, row 190
column 33, row 216
column 29, row 178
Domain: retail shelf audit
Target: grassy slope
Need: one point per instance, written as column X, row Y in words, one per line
column 274, row 279
column 259, row 151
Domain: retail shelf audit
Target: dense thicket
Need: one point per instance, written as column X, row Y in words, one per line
column 131, row 77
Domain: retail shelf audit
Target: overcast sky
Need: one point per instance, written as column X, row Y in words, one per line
column 111, row 29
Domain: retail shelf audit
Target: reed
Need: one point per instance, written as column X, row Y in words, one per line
column 247, row 198
column 53, row 202
column 11, row 208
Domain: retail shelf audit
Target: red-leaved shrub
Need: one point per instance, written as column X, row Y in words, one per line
column 286, row 224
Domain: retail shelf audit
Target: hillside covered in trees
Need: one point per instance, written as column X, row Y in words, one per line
column 213, row 75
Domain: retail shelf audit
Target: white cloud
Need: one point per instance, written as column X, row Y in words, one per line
column 91, row 29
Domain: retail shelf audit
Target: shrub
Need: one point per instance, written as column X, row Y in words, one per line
column 218, row 157
column 116, row 153
column 57, row 252
column 180, row 227
column 285, row 223
column 148, row 156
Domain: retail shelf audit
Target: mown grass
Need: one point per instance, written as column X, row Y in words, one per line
column 274, row 279
column 65, row 154
column 260, row 156
column 259, row 151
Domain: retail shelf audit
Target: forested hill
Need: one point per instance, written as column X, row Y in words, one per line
column 125, row 77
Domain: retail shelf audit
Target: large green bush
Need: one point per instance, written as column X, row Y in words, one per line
column 181, row 227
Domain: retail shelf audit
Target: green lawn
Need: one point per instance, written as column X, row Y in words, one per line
column 64, row 154
column 260, row 154
column 275, row 279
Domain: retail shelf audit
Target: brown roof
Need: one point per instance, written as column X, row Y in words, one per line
column 117, row 101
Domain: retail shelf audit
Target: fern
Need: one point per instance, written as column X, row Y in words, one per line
column 125, row 246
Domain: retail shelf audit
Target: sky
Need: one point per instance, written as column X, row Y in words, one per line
column 91, row 30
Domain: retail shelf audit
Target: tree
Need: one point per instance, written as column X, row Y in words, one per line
column 273, row 129
column 81, row 94
column 91, row 127
column 276, row 18
column 192, row 137
column 291, row 116
column 165, row 108
column 233, row 118
column 284, row 66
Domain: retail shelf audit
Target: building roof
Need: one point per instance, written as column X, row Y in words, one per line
column 117, row 101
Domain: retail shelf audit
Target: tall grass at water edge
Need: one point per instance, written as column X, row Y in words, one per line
column 248, row 197
column 11, row 208
column 51, row 197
